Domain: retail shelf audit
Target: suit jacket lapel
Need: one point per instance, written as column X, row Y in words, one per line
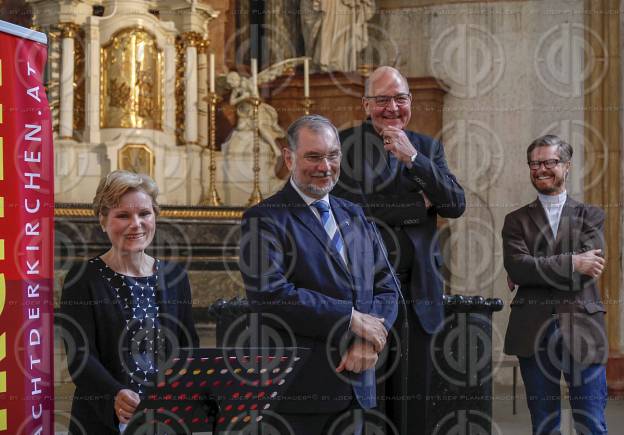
column 564, row 231
column 343, row 222
column 302, row 212
column 538, row 215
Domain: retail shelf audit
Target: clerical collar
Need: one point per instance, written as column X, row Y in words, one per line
column 552, row 200
column 307, row 199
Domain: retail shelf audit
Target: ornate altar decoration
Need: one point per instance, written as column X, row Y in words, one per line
column 132, row 81
column 137, row 158
column 125, row 93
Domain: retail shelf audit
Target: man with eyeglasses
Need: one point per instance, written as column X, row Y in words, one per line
column 553, row 255
column 314, row 262
column 403, row 182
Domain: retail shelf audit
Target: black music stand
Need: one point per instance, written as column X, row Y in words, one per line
column 217, row 390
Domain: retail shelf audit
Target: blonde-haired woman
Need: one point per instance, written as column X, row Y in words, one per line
column 123, row 311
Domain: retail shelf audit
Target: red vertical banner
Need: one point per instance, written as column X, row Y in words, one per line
column 26, row 236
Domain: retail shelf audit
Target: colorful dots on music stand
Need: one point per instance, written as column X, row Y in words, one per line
column 210, row 371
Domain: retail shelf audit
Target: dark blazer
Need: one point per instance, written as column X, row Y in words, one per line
column 290, row 271
column 541, row 265
column 389, row 192
column 91, row 322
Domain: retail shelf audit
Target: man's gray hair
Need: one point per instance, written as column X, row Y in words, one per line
column 564, row 149
column 368, row 83
column 315, row 123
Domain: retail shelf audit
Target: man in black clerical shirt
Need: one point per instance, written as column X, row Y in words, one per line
column 402, row 181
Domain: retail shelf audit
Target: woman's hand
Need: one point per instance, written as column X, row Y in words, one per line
column 126, row 402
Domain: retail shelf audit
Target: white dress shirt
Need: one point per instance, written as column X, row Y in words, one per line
column 309, row 200
column 553, row 205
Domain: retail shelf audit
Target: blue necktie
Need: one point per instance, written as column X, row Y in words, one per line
column 331, row 228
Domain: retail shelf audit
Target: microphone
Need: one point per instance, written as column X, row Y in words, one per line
column 404, row 336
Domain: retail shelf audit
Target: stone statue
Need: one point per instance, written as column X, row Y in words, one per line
column 269, row 129
column 235, row 179
column 335, row 31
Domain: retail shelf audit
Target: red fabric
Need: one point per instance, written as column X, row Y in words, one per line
column 27, row 228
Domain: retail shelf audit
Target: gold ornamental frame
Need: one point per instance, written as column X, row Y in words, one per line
column 137, row 158
column 132, row 80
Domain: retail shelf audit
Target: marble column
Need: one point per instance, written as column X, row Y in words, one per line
column 66, row 116
column 169, row 95
column 202, row 92
column 192, row 40
column 92, row 59
column 605, row 27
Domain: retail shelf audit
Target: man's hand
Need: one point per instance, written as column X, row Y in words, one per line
column 510, row 284
column 369, row 328
column 396, row 141
column 589, row 263
column 126, row 402
column 359, row 357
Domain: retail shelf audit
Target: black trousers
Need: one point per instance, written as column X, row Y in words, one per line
column 420, row 370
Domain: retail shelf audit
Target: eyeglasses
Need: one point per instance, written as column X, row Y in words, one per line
column 318, row 158
column 548, row 164
column 384, row 100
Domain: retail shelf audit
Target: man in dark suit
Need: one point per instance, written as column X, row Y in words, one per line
column 401, row 179
column 314, row 261
column 553, row 252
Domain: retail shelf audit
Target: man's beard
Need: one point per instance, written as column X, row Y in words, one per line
column 557, row 186
column 312, row 188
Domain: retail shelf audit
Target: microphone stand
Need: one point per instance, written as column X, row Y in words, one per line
column 404, row 336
